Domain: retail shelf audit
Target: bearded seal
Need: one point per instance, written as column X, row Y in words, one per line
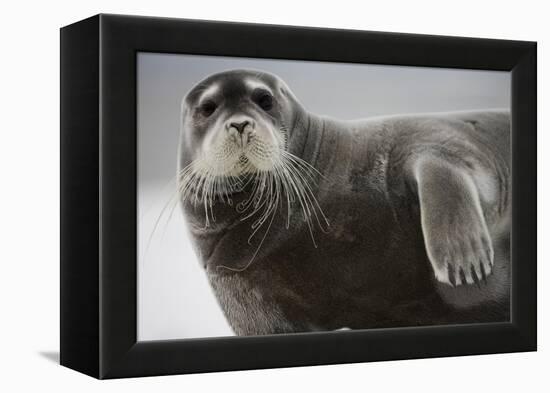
column 307, row 223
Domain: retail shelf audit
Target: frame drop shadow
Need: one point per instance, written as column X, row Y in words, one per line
column 52, row 356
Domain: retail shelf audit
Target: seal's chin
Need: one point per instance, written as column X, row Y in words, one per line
column 232, row 159
column 246, row 164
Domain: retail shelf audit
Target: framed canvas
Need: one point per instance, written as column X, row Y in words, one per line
column 240, row 196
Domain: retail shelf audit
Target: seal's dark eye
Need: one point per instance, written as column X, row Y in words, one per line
column 265, row 101
column 208, row 108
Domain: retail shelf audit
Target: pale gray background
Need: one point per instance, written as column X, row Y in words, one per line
column 174, row 299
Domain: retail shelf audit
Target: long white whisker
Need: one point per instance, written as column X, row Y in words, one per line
column 290, row 180
column 313, row 201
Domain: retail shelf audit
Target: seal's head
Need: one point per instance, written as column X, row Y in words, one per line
column 234, row 141
column 236, row 122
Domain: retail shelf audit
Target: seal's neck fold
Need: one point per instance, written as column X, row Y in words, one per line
column 306, row 136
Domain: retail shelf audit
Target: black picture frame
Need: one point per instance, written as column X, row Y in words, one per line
column 98, row 196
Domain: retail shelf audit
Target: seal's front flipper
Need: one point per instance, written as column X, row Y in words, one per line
column 457, row 240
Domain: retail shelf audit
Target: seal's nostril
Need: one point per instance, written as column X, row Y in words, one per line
column 240, row 126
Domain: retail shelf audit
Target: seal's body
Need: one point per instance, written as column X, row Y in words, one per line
column 419, row 213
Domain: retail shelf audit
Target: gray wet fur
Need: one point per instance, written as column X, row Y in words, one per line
column 419, row 209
